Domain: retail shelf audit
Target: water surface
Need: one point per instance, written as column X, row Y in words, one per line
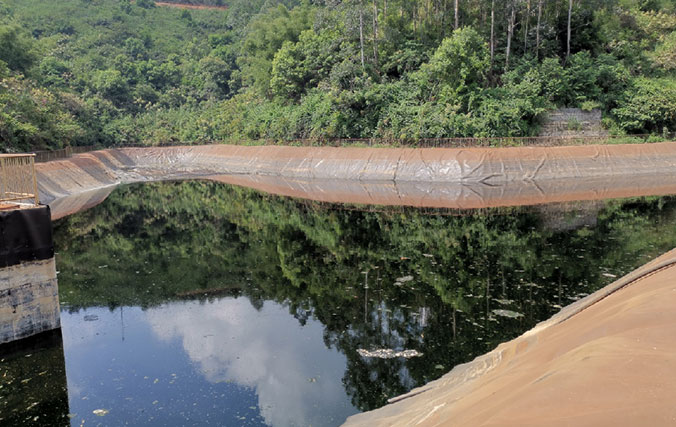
column 199, row 303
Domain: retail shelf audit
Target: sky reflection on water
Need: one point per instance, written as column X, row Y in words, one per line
column 189, row 363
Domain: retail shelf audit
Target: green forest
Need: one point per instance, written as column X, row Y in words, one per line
column 116, row 72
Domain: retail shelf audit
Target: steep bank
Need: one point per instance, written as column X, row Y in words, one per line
column 606, row 360
column 452, row 178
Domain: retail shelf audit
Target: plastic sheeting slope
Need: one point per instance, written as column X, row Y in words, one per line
column 435, row 177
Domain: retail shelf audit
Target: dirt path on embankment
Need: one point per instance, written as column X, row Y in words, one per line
column 441, row 178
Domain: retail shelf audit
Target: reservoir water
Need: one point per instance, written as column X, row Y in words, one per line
column 199, row 303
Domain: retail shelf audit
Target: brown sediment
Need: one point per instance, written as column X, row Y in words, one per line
column 445, row 178
column 606, row 360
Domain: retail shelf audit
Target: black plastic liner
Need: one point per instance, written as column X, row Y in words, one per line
column 25, row 235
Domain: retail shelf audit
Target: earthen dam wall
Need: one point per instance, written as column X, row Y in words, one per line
column 435, row 177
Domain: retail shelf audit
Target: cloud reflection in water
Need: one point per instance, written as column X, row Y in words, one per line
column 296, row 377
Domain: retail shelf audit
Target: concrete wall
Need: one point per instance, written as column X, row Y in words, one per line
column 573, row 122
column 29, row 299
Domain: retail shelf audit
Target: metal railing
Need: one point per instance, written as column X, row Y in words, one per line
column 18, row 181
column 515, row 141
column 63, row 153
column 512, row 141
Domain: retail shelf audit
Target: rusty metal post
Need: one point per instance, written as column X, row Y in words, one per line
column 3, row 189
column 35, row 181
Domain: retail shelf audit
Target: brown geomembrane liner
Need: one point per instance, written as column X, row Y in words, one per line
column 611, row 363
column 429, row 177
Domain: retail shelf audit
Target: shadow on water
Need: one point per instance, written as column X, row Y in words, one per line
column 249, row 296
column 33, row 388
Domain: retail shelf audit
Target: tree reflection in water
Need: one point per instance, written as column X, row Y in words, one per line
column 449, row 286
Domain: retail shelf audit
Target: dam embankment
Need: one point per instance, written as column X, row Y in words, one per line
column 435, row 177
column 607, row 359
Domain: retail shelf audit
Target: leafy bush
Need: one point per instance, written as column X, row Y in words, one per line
column 649, row 105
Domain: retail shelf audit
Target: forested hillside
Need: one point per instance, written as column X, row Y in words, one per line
column 199, row 2
column 115, row 72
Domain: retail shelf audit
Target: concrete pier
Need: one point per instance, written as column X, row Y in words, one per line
column 29, row 300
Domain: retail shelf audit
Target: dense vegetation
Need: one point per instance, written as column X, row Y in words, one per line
column 220, row 3
column 153, row 243
column 107, row 72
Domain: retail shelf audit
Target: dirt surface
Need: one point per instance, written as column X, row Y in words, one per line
column 190, row 6
column 609, row 359
column 442, row 178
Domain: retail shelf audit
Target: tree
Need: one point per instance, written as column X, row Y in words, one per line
column 112, row 85
column 648, row 105
column 492, row 31
column 510, row 32
column 16, row 48
column 361, row 34
column 457, row 68
column 537, row 29
column 266, row 35
column 570, row 14
column 457, row 15
column 299, row 67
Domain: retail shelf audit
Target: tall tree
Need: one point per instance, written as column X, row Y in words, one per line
column 570, row 13
column 492, row 31
column 537, row 30
column 510, row 32
column 375, row 32
column 361, row 33
column 525, row 27
column 457, row 16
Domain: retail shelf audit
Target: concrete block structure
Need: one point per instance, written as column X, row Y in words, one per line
column 29, row 300
column 566, row 122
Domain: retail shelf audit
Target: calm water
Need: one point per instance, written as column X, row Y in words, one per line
column 203, row 304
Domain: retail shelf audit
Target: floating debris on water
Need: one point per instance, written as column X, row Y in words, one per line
column 507, row 313
column 91, row 318
column 100, row 412
column 386, row 353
